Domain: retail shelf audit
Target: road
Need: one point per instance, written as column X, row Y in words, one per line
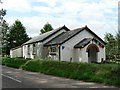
column 17, row 78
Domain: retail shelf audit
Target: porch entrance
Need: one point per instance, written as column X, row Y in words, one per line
column 92, row 51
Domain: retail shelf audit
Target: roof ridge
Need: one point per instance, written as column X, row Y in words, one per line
column 79, row 28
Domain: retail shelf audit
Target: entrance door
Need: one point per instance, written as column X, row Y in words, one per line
column 92, row 53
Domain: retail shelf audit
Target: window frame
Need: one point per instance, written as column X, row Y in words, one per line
column 28, row 49
column 34, row 49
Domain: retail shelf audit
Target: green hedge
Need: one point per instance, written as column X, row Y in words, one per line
column 13, row 62
column 102, row 73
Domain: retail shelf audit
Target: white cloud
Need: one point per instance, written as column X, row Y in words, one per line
column 17, row 5
column 42, row 9
column 73, row 14
column 49, row 2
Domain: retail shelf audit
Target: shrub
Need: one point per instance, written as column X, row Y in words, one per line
column 14, row 62
column 102, row 73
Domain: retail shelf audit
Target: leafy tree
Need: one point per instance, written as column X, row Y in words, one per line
column 3, row 31
column 4, row 41
column 47, row 27
column 17, row 35
column 118, row 39
column 111, row 47
column 118, row 42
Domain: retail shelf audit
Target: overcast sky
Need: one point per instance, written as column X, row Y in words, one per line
column 100, row 16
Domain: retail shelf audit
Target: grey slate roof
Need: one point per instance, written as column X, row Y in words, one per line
column 83, row 43
column 60, row 39
column 64, row 37
column 46, row 35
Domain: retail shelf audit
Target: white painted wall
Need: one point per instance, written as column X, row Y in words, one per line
column 78, row 54
column 16, row 52
column 68, row 52
column 101, row 53
column 41, row 51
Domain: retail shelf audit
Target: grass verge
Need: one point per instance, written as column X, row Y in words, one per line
column 13, row 62
column 108, row 74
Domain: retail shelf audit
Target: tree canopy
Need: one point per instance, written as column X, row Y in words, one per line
column 113, row 45
column 118, row 41
column 17, row 35
column 12, row 36
column 3, row 31
column 4, row 41
column 47, row 27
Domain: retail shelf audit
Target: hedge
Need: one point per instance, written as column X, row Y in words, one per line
column 13, row 62
column 100, row 73
column 108, row 74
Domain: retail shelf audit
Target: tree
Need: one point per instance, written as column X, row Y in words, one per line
column 17, row 35
column 47, row 27
column 111, row 47
column 4, row 41
column 3, row 31
column 118, row 42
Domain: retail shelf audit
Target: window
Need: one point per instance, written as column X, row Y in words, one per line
column 53, row 49
column 34, row 49
column 28, row 49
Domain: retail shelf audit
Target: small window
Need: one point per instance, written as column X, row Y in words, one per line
column 28, row 49
column 34, row 49
column 53, row 49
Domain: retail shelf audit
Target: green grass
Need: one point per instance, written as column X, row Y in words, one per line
column 108, row 74
column 13, row 62
column 100, row 73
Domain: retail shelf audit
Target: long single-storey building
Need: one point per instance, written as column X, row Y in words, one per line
column 63, row 44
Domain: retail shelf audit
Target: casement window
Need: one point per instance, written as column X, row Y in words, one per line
column 28, row 49
column 34, row 49
column 53, row 49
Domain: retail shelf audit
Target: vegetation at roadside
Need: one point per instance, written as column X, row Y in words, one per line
column 112, row 47
column 11, row 36
column 101, row 73
column 13, row 62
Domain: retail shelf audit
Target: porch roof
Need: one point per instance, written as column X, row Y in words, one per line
column 83, row 43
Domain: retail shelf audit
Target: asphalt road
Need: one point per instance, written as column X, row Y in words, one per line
column 16, row 78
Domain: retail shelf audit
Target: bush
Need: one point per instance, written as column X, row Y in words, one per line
column 2, row 60
column 13, row 62
column 102, row 73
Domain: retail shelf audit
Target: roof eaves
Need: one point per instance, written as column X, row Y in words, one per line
column 53, row 39
column 63, row 27
column 16, row 47
column 95, row 35
column 76, row 46
column 69, row 37
column 73, row 35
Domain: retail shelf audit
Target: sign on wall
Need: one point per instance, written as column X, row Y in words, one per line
column 63, row 47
